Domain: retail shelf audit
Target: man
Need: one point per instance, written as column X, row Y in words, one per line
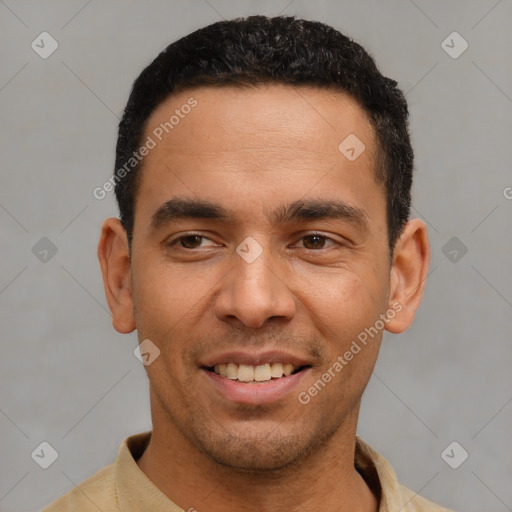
column 263, row 177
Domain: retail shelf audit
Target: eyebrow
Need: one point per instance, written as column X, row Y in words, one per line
column 300, row 210
column 320, row 209
column 178, row 208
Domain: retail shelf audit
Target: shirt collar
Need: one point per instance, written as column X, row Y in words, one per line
column 137, row 493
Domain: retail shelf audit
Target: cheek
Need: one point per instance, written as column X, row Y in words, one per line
column 344, row 304
column 165, row 300
column 173, row 308
column 343, row 314
column 344, row 310
column 165, row 294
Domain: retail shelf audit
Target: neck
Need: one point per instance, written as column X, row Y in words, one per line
column 324, row 479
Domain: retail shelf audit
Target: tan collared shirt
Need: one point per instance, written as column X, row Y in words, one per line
column 123, row 487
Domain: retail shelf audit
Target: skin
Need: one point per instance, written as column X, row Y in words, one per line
column 253, row 151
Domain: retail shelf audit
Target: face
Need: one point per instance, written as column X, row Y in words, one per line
column 259, row 249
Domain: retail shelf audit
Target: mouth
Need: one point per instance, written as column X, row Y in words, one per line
column 255, row 379
column 262, row 373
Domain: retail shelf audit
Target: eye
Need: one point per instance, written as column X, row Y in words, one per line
column 316, row 241
column 189, row 241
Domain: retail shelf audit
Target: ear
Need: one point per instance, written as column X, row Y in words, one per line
column 114, row 257
column 409, row 270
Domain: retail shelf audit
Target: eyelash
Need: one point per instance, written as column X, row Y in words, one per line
column 182, row 237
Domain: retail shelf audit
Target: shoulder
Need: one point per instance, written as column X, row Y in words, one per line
column 415, row 503
column 96, row 492
column 382, row 479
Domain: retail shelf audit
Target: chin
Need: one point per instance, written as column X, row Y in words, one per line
column 250, row 456
column 258, row 450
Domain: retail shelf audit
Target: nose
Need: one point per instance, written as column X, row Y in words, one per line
column 253, row 293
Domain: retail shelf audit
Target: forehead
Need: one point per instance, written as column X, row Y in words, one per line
column 266, row 115
column 270, row 140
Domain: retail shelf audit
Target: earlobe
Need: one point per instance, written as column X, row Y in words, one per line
column 408, row 275
column 114, row 258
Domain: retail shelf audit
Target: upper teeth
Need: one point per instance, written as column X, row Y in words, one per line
column 249, row 373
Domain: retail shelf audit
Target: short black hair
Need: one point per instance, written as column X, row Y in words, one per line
column 256, row 50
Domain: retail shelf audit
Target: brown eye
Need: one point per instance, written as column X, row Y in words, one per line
column 314, row 241
column 190, row 241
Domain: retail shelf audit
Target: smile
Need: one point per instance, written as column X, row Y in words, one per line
column 250, row 373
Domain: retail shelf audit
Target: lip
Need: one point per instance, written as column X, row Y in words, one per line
column 257, row 393
column 254, row 359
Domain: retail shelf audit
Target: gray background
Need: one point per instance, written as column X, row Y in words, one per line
column 66, row 377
